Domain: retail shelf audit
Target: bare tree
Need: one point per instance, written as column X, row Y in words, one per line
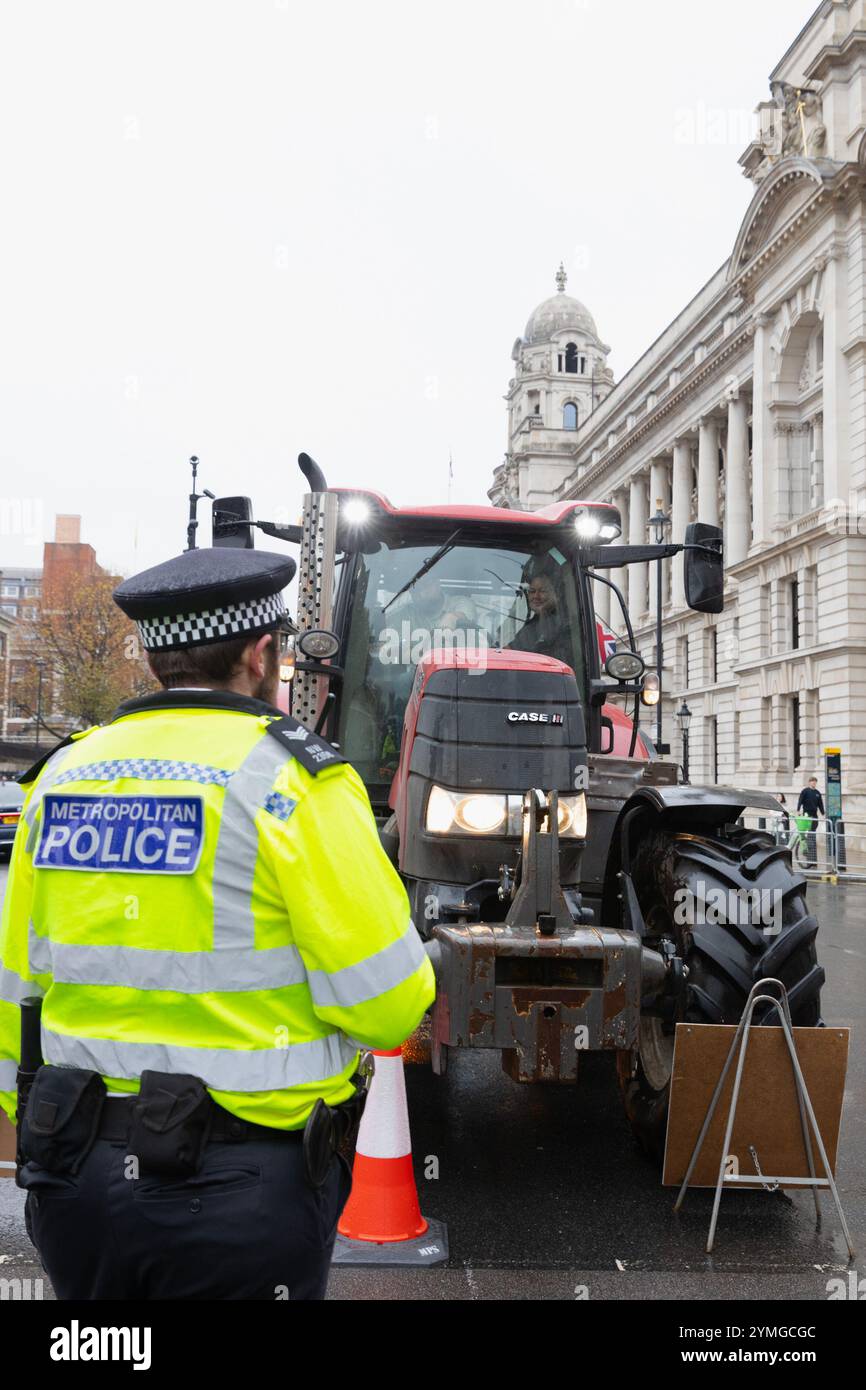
column 89, row 653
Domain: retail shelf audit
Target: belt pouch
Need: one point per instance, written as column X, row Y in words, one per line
column 61, row 1120
column 171, row 1121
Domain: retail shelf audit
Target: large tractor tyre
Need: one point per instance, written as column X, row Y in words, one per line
column 734, row 939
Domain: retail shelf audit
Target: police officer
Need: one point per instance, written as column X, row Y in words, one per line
column 198, row 893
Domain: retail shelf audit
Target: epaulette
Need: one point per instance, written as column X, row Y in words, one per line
column 310, row 750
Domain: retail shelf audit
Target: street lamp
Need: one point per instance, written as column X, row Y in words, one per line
column 659, row 523
column 684, row 719
column 40, row 666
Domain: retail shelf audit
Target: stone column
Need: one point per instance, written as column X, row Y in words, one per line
column 840, row 451
column 601, row 597
column 659, row 496
column 817, row 479
column 738, row 507
column 637, row 535
column 619, row 577
column 763, row 440
column 680, row 512
column 708, row 472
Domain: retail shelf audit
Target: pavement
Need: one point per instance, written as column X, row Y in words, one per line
column 546, row 1195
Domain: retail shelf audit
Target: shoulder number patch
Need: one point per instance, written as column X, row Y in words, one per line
column 121, row 834
column 310, row 750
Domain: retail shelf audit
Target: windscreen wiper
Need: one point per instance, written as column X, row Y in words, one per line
column 425, row 568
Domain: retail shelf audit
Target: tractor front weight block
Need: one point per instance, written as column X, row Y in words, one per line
column 542, row 999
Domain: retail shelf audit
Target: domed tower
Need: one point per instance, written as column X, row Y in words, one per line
column 561, row 376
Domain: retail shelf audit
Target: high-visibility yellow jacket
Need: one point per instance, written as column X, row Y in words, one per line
column 189, row 898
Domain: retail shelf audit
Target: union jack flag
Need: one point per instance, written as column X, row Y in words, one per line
column 606, row 641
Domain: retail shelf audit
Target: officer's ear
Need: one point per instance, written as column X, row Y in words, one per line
column 256, row 655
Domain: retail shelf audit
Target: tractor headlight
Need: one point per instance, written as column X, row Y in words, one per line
column 587, row 526
column 487, row 813
column 473, row 813
column 600, row 523
column 481, row 815
column 355, row 511
column 572, row 816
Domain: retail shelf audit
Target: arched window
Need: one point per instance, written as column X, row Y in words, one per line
column 571, row 358
column 569, row 416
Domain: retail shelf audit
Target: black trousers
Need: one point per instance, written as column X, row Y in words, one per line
column 247, row 1226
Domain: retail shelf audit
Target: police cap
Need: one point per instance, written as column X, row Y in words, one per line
column 209, row 595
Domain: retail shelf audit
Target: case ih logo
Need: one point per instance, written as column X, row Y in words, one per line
column 531, row 716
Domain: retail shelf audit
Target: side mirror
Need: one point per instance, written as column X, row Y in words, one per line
column 318, row 644
column 625, row 666
column 704, row 568
column 232, row 522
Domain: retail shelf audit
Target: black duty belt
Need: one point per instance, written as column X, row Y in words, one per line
column 117, row 1115
column 167, row 1125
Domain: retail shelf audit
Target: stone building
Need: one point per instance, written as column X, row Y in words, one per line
column 749, row 411
column 24, row 593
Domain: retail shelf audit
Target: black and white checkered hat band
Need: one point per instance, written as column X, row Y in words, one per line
column 213, row 625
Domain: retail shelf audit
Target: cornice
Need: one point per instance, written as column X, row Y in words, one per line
column 703, row 371
column 835, row 55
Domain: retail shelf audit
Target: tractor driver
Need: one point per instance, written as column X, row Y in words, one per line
column 545, row 631
column 428, row 608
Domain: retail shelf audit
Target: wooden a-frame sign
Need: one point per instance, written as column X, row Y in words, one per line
column 768, row 1115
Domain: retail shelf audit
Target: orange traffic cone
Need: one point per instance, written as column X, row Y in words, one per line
column 382, row 1220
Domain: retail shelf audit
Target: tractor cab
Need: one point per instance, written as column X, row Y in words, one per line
column 461, row 586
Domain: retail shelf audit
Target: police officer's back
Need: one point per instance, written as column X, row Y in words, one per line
column 199, row 892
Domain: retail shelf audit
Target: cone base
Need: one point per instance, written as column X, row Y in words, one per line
column 383, row 1204
column 429, row 1249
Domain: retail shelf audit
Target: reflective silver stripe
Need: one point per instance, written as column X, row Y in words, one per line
column 8, row 1076
column 237, row 849
column 186, row 972
column 371, row 977
column 223, row 1069
column 38, row 952
column 14, row 988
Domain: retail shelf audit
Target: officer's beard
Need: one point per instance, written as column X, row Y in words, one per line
column 269, row 685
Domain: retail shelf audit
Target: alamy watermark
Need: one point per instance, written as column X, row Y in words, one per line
column 21, row 1290
column 24, row 518
column 405, row 645
column 709, row 905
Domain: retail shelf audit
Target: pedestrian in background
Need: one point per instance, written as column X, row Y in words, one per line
column 811, row 803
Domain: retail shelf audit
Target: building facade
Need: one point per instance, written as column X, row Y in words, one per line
column 24, row 670
column 749, row 412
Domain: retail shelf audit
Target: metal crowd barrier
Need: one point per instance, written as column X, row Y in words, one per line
column 820, row 848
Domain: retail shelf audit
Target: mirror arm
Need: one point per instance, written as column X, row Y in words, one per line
column 318, row 668
column 715, row 550
column 599, row 690
column 610, row 557
column 292, row 534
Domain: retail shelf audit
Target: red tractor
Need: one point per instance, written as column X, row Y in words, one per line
column 560, row 876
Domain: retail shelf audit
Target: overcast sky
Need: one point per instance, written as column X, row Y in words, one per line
column 242, row 228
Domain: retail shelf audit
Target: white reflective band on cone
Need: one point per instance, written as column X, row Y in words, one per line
column 384, row 1131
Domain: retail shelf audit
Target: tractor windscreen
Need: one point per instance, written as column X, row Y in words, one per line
column 475, row 597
